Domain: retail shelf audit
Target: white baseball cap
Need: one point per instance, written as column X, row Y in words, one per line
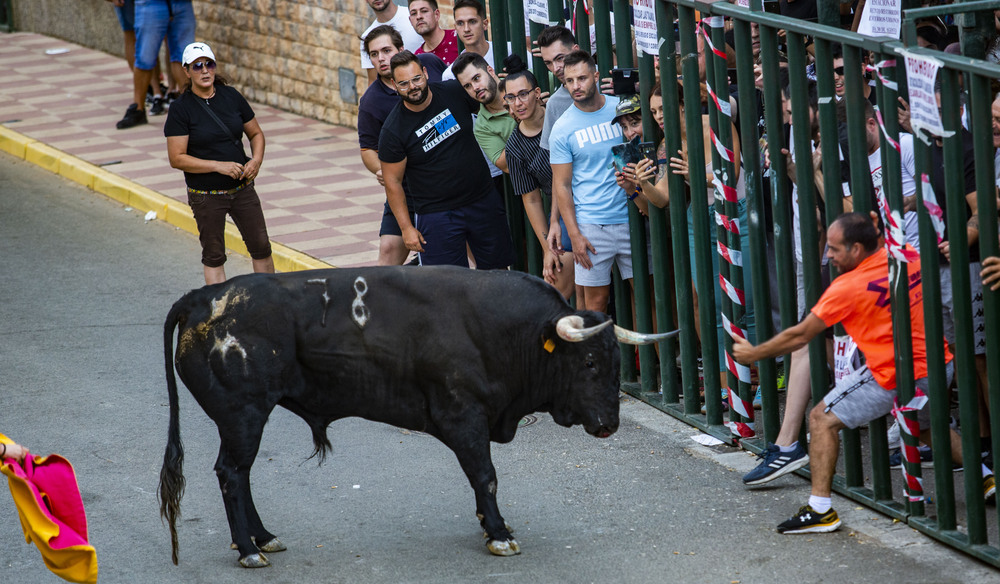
column 194, row 51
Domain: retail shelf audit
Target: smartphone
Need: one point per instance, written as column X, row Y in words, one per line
column 648, row 150
column 623, row 81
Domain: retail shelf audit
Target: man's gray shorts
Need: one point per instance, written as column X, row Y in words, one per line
column 858, row 398
column 612, row 245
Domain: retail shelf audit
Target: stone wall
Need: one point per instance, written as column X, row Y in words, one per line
column 301, row 56
column 91, row 23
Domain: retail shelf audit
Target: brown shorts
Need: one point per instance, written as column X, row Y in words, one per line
column 210, row 214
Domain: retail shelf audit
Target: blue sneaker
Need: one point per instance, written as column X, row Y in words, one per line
column 776, row 463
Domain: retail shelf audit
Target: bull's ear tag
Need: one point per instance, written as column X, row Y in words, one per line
column 549, row 345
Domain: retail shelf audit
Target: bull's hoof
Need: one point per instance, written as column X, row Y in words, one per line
column 508, row 547
column 255, row 561
column 272, row 546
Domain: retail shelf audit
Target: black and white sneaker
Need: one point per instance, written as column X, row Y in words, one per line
column 159, row 106
column 809, row 521
column 776, row 463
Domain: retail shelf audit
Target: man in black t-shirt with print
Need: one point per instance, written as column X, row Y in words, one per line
column 428, row 140
column 381, row 44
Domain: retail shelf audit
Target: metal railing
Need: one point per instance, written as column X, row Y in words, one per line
column 670, row 378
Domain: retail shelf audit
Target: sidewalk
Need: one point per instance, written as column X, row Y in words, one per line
column 318, row 197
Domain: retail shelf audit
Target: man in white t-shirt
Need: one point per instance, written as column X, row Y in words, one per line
column 471, row 24
column 386, row 12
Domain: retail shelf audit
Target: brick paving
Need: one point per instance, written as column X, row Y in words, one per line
column 318, row 197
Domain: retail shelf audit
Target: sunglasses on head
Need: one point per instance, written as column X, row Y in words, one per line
column 198, row 66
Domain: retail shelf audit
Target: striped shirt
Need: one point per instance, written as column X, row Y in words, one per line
column 528, row 163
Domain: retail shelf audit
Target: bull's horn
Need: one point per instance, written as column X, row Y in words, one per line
column 570, row 328
column 633, row 338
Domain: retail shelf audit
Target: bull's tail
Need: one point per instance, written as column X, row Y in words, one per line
column 171, row 487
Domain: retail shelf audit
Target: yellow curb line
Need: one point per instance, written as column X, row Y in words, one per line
column 139, row 197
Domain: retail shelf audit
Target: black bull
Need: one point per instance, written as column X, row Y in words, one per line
column 459, row 354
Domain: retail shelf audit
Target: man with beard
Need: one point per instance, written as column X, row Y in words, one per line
column 381, row 44
column 425, row 16
column 428, row 140
column 592, row 205
column 555, row 42
column 386, row 12
column 858, row 300
column 494, row 123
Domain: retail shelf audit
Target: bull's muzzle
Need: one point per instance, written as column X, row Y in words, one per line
column 570, row 328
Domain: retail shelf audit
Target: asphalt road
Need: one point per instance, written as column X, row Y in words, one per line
column 85, row 288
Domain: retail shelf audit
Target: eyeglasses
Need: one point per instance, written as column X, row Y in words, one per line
column 520, row 95
column 404, row 84
column 198, row 66
column 839, row 70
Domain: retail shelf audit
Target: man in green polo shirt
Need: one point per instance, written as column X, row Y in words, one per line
column 493, row 124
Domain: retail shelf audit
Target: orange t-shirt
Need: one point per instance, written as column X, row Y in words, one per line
column 859, row 299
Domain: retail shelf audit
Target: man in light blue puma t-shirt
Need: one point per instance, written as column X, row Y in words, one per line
column 592, row 205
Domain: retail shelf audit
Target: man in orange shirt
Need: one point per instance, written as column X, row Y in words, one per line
column 858, row 299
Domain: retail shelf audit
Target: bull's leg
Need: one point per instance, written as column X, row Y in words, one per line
column 248, row 532
column 473, row 454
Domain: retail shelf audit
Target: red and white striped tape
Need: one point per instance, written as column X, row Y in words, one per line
column 725, row 108
column 935, row 211
column 895, row 241
column 885, row 132
column 712, row 22
column 911, row 454
column 730, row 225
column 733, row 256
column 877, row 70
column 734, row 293
column 726, row 153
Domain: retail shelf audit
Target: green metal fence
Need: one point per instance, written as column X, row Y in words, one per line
column 691, row 39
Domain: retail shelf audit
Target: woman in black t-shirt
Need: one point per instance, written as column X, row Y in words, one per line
column 528, row 163
column 204, row 131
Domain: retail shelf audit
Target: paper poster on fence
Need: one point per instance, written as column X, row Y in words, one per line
column 644, row 22
column 881, row 18
column 538, row 11
column 846, row 358
column 921, row 71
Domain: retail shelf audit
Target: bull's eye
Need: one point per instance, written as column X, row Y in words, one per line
column 590, row 361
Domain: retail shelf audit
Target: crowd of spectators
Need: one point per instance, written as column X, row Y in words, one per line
column 564, row 155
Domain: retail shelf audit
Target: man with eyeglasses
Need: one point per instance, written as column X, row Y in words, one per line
column 494, row 123
column 381, row 44
column 428, row 141
column 555, row 42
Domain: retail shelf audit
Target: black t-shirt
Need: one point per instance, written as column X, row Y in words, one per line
column 937, row 176
column 445, row 168
column 206, row 139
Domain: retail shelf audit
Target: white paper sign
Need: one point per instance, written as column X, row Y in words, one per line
column 881, row 18
column 846, row 358
column 538, row 11
column 644, row 22
column 921, row 71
